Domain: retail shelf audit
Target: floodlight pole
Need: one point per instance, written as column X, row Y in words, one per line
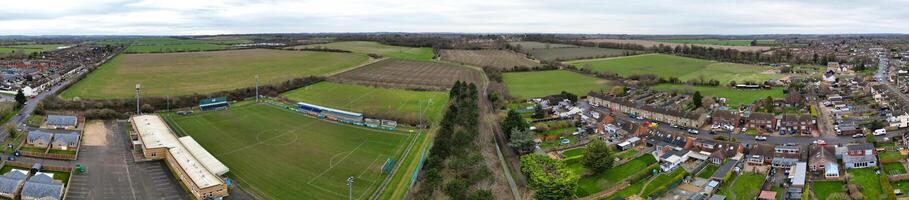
column 257, row 88
column 138, row 111
column 350, row 188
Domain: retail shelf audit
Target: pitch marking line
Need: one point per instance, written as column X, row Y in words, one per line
column 333, row 166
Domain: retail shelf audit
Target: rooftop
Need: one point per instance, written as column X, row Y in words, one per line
column 155, row 133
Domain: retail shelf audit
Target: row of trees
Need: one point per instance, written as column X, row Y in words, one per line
column 454, row 163
column 105, row 107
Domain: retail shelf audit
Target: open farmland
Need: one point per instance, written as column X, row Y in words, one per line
column 680, row 67
column 535, row 84
column 169, row 45
column 529, row 45
column 648, row 43
column 385, row 103
column 29, row 48
column 734, row 97
column 280, row 154
column 176, row 74
column 560, row 54
column 720, row 42
column 488, row 58
column 396, row 73
column 364, row 47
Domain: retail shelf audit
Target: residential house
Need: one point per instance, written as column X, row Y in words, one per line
column 759, row 120
column 720, row 174
column 860, row 156
column 786, row 156
column 760, row 154
column 61, row 122
column 821, row 157
column 725, row 117
column 798, row 175
column 794, row 98
column 11, row 183
column 672, row 159
column 619, row 104
column 797, row 124
column 38, row 138
column 64, row 141
column 42, row 186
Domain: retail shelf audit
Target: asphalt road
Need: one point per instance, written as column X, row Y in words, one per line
column 30, row 105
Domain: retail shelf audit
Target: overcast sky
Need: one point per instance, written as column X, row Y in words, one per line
column 194, row 17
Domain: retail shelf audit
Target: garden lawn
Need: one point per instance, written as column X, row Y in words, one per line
column 281, row 154
column 745, row 186
column 576, row 152
column 174, row 74
column 891, row 155
column 896, row 168
column 684, row 68
column 524, row 85
column 627, row 154
column 708, row 171
column 384, row 103
column 364, row 47
column 901, row 185
column 822, row 189
column 868, row 180
column 601, row 181
column 662, row 182
column 734, row 97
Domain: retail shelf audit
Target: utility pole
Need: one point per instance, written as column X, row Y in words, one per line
column 138, row 111
column 257, row 88
column 350, row 188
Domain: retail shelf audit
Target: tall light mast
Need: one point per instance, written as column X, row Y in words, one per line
column 138, row 111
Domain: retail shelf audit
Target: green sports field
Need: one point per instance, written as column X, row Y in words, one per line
column 683, row 68
column 543, row 83
column 409, row 53
column 176, row 74
column 281, row 154
column 380, row 102
column 734, row 97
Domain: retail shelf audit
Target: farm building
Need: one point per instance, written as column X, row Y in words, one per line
column 38, row 138
column 331, row 113
column 213, row 103
column 61, row 122
column 195, row 167
column 42, row 186
column 11, row 183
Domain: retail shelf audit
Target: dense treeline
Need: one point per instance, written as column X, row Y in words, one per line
column 454, row 163
column 110, row 108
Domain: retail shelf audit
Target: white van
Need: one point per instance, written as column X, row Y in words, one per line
column 880, row 132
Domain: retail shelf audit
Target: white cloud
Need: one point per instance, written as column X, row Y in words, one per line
column 167, row 17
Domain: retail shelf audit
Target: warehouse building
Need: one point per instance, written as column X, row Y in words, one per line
column 197, row 169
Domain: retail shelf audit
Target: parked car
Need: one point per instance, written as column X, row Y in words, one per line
column 858, row 136
column 692, row 131
column 760, row 138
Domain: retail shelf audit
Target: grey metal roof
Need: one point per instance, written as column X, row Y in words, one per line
column 721, row 172
column 9, row 185
column 35, row 135
column 67, row 138
column 42, row 190
column 61, row 120
column 784, row 161
column 41, row 178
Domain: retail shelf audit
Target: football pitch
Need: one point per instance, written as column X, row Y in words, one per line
column 397, row 104
column 174, row 74
column 280, row 154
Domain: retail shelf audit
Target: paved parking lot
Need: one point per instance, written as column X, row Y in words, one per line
column 112, row 173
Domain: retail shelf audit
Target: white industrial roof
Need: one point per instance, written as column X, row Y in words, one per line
column 155, row 134
column 208, row 161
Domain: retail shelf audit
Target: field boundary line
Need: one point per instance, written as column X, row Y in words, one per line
column 607, row 58
column 368, row 62
column 333, row 166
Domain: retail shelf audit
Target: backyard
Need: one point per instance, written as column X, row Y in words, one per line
column 824, row 188
column 744, row 186
column 868, row 180
column 589, row 184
